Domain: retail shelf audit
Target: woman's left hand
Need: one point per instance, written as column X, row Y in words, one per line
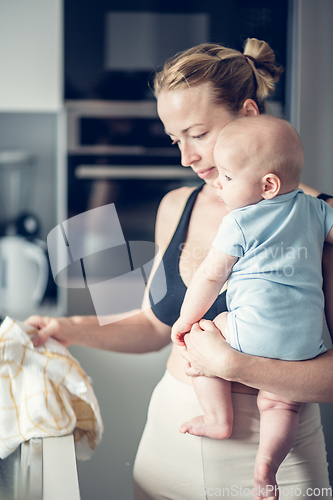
column 207, row 352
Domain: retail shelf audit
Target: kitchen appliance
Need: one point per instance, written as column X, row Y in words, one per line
column 16, row 186
column 118, row 152
column 23, row 275
column 24, row 266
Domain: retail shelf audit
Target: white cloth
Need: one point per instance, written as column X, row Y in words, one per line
column 44, row 392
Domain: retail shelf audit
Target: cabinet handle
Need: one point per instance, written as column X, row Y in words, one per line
column 133, row 172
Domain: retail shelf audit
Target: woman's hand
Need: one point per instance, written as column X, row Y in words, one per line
column 208, row 353
column 58, row 328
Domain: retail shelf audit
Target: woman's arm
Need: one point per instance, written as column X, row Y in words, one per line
column 309, row 190
column 327, row 266
column 328, row 285
column 140, row 332
column 314, row 192
column 307, row 381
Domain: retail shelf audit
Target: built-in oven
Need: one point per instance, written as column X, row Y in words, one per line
column 118, row 153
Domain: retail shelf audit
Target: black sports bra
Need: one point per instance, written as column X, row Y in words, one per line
column 167, row 310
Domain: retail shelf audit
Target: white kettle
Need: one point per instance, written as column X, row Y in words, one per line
column 24, row 273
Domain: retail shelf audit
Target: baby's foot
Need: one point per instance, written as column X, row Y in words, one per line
column 200, row 426
column 265, row 485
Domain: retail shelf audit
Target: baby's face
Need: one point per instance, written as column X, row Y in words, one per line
column 239, row 182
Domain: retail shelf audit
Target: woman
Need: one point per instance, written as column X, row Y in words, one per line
column 198, row 93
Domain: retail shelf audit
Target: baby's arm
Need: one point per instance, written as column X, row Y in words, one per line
column 203, row 290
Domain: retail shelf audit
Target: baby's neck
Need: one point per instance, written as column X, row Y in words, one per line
column 287, row 189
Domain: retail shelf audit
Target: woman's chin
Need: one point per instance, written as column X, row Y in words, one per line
column 211, row 179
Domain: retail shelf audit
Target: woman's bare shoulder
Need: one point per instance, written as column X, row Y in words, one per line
column 176, row 199
column 169, row 212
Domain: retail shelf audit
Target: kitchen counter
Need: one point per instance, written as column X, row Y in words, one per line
column 41, row 469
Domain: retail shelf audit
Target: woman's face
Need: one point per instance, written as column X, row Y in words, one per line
column 193, row 122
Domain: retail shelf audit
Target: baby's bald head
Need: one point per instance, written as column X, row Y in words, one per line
column 268, row 145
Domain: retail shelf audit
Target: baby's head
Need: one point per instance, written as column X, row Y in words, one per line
column 258, row 157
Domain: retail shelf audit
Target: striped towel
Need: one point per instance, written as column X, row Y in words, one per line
column 44, row 392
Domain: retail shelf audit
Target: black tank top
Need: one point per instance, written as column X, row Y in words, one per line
column 167, row 310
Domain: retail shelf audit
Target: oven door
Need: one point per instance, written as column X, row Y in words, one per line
column 118, row 152
column 136, row 190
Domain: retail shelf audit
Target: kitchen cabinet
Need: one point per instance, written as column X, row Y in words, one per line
column 31, row 40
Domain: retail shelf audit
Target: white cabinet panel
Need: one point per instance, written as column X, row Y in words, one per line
column 31, row 40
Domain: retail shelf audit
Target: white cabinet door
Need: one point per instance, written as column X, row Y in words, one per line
column 31, row 40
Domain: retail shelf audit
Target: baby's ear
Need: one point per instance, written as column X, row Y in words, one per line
column 271, row 186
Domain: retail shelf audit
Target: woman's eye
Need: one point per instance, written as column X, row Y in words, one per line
column 174, row 143
column 200, row 136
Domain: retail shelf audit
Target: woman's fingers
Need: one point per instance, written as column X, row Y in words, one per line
column 48, row 327
column 40, row 323
column 207, row 325
column 207, row 351
column 192, row 370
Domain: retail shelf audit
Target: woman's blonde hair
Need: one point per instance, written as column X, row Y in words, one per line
column 233, row 76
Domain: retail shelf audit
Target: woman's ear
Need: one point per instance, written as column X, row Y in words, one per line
column 271, row 186
column 249, row 108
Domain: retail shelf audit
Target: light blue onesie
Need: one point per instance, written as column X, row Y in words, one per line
column 274, row 297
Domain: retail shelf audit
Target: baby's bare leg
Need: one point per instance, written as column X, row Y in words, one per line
column 279, row 418
column 221, row 322
column 214, row 395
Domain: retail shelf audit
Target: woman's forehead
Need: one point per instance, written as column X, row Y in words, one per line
column 186, row 107
column 185, row 98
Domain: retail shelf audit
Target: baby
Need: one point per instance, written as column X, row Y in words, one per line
column 269, row 248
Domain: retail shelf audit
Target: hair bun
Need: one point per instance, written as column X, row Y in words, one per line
column 262, row 59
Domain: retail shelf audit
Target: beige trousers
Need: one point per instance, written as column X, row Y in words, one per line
column 170, row 465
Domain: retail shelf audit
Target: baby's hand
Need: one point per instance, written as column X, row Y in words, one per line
column 179, row 329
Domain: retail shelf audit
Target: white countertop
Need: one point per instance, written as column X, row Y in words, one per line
column 41, row 469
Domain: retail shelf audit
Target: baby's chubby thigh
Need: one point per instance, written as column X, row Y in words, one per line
column 221, row 322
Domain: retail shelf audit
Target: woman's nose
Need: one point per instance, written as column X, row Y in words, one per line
column 188, row 156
